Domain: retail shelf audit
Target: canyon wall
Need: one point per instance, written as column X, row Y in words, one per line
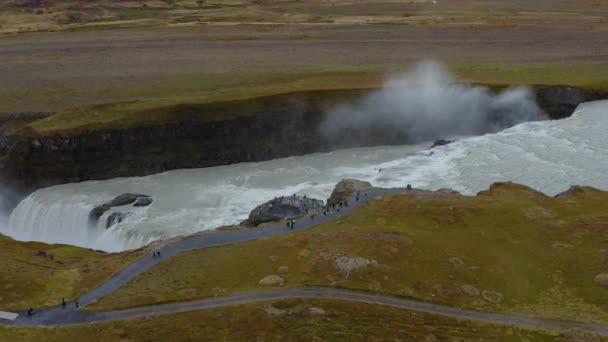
column 252, row 130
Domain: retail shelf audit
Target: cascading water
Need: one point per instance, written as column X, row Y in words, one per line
column 547, row 155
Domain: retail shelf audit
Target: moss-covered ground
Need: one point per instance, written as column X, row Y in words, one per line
column 509, row 250
column 38, row 274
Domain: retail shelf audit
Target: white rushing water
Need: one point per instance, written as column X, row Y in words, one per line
column 547, row 155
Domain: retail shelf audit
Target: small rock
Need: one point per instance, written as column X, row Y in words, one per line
column 316, row 311
column 559, row 245
column 456, row 262
column 470, row 290
column 271, row 310
column 601, row 279
column 346, row 264
column 304, row 253
column 274, row 258
column 283, row 269
column 492, row 296
column 272, row 280
column 45, row 254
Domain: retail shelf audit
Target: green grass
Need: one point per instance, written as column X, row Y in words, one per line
column 162, row 102
column 28, row 279
column 541, row 254
column 342, row 321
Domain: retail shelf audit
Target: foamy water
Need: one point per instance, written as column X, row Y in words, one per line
column 547, row 155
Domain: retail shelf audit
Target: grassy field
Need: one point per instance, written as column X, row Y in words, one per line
column 200, row 93
column 20, row 16
column 510, row 250
column 288, row 320
column 36, row 274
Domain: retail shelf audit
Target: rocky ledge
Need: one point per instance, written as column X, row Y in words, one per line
column 137, row 200
column 282, row 208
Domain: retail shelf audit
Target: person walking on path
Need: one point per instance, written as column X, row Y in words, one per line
column 30, row 311
column 76, row 304
column 63, row 303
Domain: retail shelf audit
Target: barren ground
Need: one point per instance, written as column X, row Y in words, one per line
column 53, row 71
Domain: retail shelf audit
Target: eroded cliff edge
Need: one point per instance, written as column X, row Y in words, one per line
column 247, row 130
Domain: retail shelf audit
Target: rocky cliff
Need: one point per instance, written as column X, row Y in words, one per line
column 253, row 130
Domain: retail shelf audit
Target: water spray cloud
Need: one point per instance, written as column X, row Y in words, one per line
column 427, row 103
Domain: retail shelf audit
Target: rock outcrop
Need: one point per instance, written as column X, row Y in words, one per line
column 282, row 208
column 116, row 218
column 138, row 200
column 441, row 142
column 344, row 189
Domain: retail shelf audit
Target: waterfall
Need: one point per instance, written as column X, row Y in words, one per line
column 57, row 217
column 547, row 155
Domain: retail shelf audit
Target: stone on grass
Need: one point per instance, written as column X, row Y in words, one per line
column 316, row 311
column 304, row 253
column 456, row 262
column 492, row 296
column 470, row 290
column 346, row 264
column 272, row 280
column 602, row 279
column 283, row 269
column 271, row 310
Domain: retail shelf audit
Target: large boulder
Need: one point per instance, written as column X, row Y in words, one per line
column 283, row 208
column 344, row 189
column 138, row 200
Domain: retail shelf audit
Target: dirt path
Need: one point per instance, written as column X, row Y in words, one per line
column 71, row 316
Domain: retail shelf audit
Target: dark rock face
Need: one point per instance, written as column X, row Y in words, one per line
column 118, row 201
column 561, row 101
column 125, row 199
column 344, row 189
column 441, row 142
column 142, row 202
column 283, row 208
column 251, row 130
column 116, row 218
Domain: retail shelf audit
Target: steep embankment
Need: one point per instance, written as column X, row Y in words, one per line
column 58, row 150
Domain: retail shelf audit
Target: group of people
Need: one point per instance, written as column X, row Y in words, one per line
column 155, row 255
column 291, row 223
column 30, row 311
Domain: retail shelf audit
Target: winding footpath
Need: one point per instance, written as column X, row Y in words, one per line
column 71, row 315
